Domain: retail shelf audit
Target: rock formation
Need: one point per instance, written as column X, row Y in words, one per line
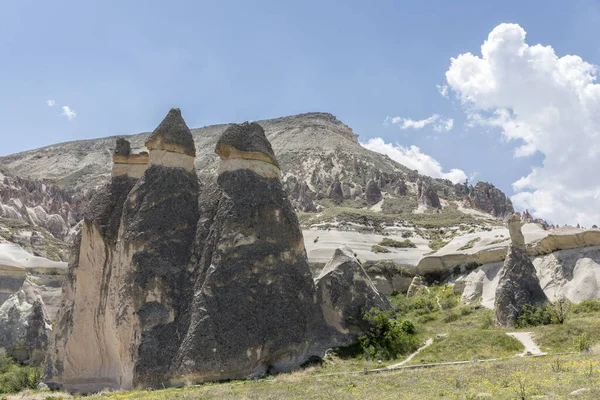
column 487, row 198
column 24, row 325
column 417, row 286
column 427, row 195
column 373, row 193
column 125, row 299
column 518, row 284
column 335, row 191
column 255, row 307
column 345, row 291
column 175, row 284
column 126, row 163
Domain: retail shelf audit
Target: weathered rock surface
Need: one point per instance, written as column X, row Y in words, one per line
column 255, row 307
column 345, row 291
column 24, row 325
column 487, row 198
column 417, row 286
column 373, row 193
column 175, row 284
column 126, row 296
column 518, row 284
column 514, row 229
column 427, row 195
column 40, row 203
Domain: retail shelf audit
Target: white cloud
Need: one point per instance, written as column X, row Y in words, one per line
column 50, row 103
column 442, row 90
column 444, row 125
column 549, row 104
column 67, row 112
column 412, row 158
column 439, row 124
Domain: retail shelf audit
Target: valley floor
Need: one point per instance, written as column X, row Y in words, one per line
column 458, row 333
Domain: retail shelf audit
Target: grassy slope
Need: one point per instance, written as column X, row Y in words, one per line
column 469, row 332
column 472, row 381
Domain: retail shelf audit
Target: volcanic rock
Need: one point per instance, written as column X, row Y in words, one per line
column 427, row 195
column 345, row 291
column 336, row 192
column 373, row 193
column 24, row 325
column 518, row 284
column 125, row 299
column 254, row 308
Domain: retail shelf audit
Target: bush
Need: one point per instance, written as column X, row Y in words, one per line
column 379, row 249
column 397, row 243
column 582, row 342
column 470, row 244
column 15, row 377
column 587, row 306
column 387, row 337
column 407, row 234
column 532, row 315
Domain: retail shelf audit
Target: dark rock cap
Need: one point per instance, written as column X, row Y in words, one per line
column 248, row 141
column 172, row 135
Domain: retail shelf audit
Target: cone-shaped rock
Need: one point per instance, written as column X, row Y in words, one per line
column 172, row 135
column 254, row 308
column 518, row 284
column 344, row 291
column 125, row 298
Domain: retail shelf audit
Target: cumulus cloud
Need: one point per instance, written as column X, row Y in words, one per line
column 50, row 103
column 67, row 112
column 439, row 124
column 547, row 104
column 412, row 158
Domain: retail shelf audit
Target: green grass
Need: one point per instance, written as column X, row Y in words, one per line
column 559, row 338
column 399, row 244
column 437, row 243
column 470, row 244
column 465, row 345
column 399, row 205
column 379, row 249
column 499, row 380
column 447, row 217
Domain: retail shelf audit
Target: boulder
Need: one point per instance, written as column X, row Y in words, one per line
column 254, row 308
column 345, row 291
column 24, row 325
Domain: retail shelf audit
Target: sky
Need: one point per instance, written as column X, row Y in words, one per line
column 504, row 92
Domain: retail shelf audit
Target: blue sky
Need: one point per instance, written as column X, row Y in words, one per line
column 120, row 65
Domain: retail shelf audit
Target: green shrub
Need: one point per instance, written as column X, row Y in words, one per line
column 407, row 234
column 387, row 337
column 15, row 377
column 534, row 315
column 389, row 269
column 470, row 244
column 582, row 342
column 396, row 243
column 379, row 249
column 587, row 306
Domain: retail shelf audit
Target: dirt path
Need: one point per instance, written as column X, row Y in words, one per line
column 428, row 343
column 530, row 346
